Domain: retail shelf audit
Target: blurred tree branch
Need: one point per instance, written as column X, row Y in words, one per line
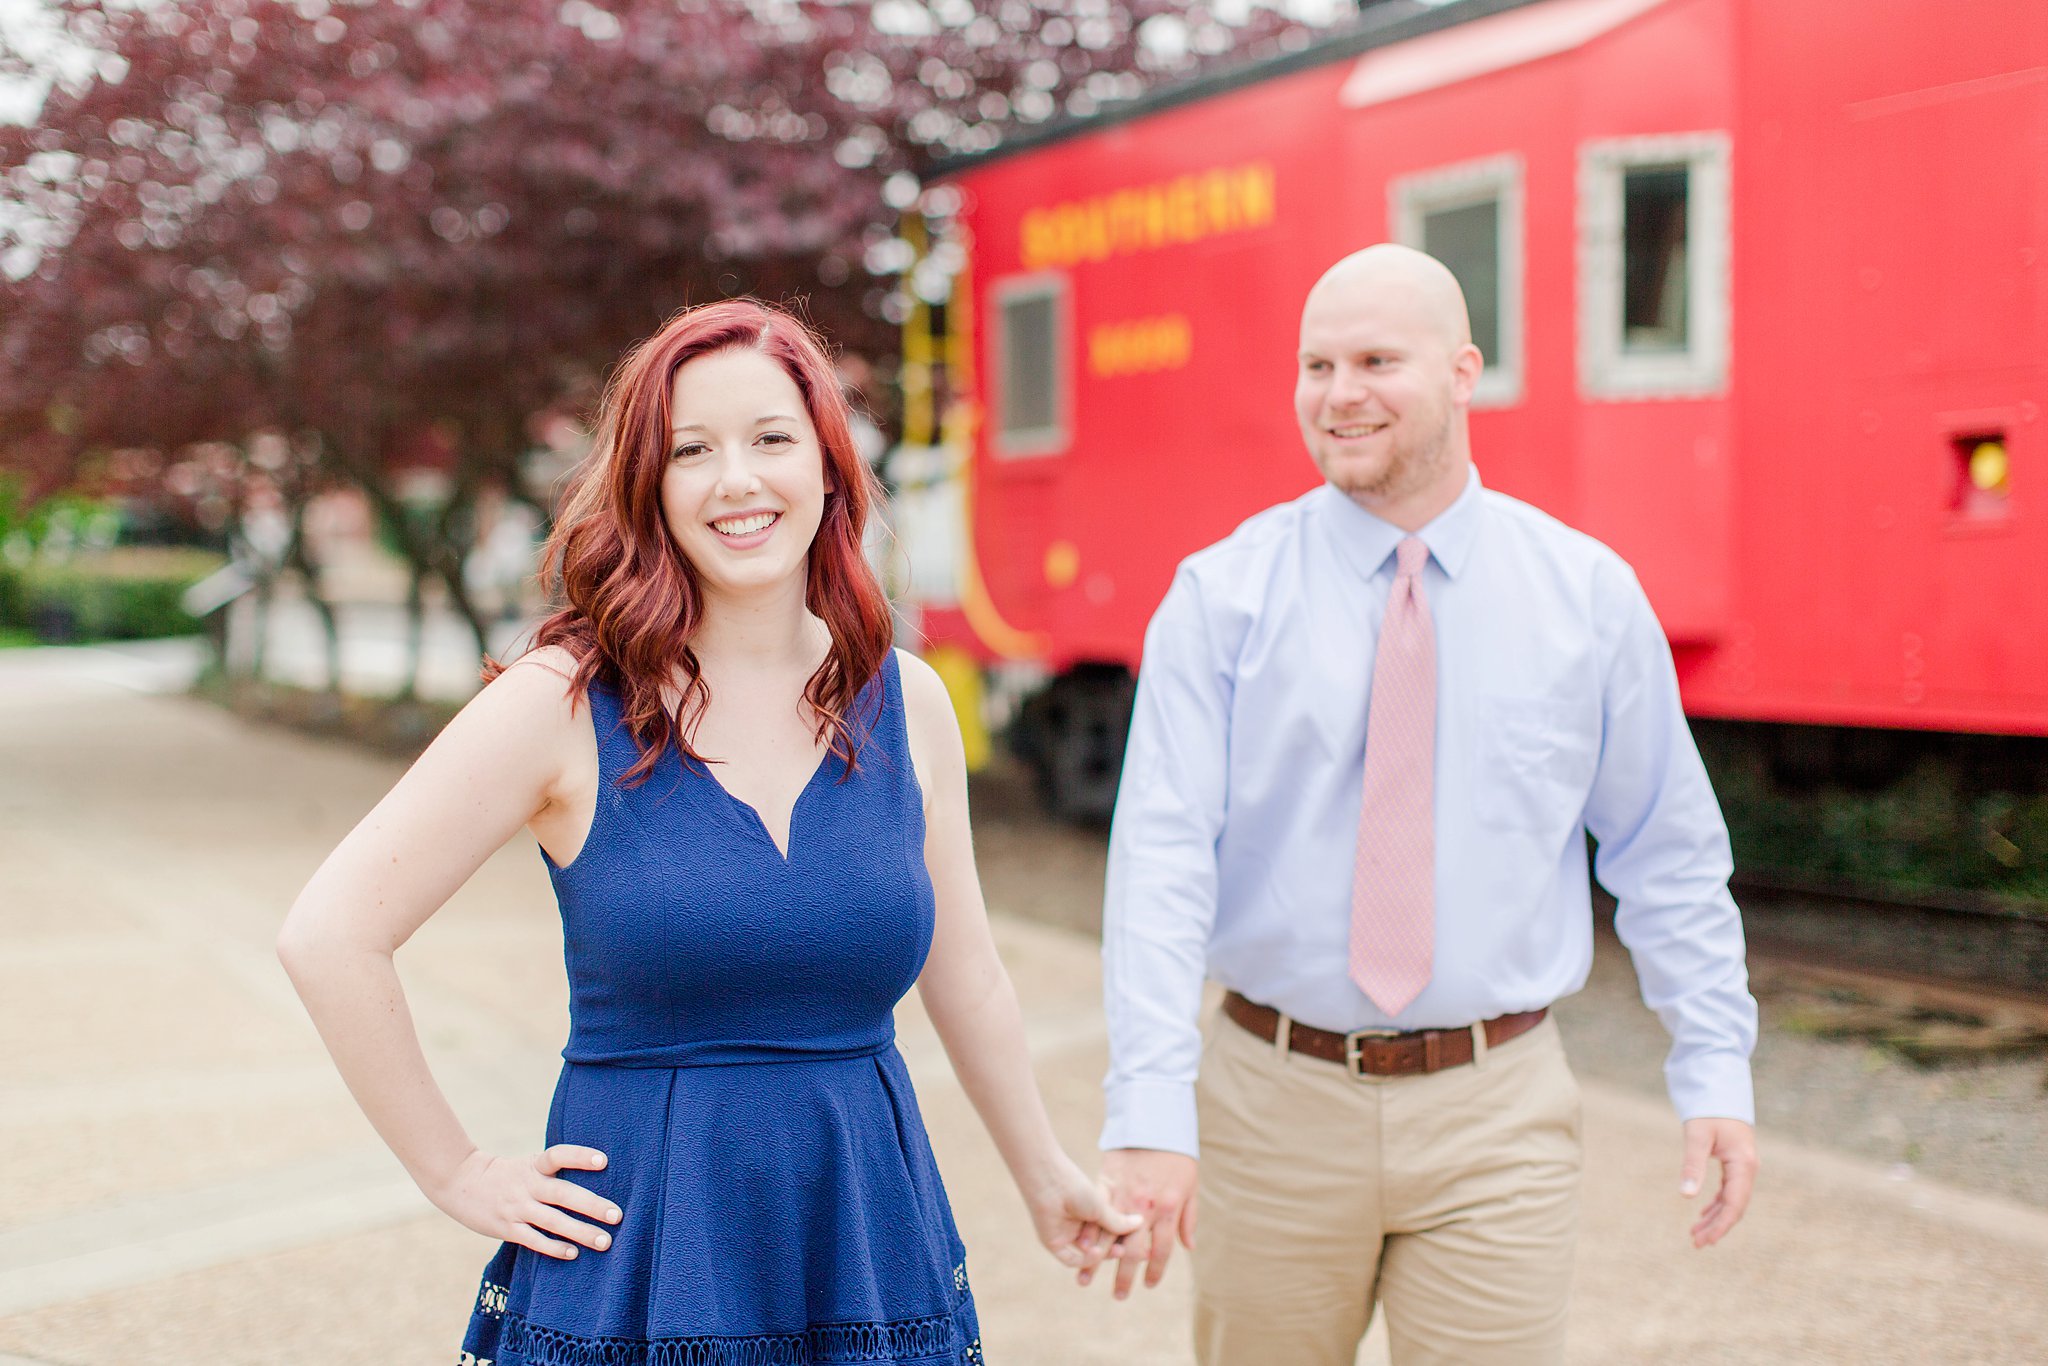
column 356, row 223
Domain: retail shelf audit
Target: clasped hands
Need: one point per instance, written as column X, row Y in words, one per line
column 1157, row 1190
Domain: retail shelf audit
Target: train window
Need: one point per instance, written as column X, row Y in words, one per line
column 1653, row 233
column 1469, row 216
column 1467, row 239
column 1031, row 404
column 1653, row 279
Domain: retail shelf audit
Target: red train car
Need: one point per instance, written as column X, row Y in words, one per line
column 1763, row 289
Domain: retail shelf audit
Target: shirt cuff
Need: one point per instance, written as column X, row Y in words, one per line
column 1151, row 1114
column 1712, row 1086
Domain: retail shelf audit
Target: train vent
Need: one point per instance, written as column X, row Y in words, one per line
column 1981, row 476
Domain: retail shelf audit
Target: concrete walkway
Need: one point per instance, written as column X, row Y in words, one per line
column 191, row 1183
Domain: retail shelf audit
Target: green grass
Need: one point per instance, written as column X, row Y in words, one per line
column 13, row 639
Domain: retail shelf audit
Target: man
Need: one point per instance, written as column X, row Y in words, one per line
column 1371, row 730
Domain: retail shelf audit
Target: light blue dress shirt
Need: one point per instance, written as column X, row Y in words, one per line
column 1557, row 713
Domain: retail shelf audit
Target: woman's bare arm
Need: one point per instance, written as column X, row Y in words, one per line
column 520, row 753
column 972, row 1004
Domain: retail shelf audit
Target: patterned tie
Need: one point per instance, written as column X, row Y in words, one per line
column 1393, row 885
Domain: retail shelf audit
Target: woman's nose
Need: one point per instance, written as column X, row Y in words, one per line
column 736, row 475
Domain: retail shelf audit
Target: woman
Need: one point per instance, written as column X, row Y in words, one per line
column 754, row 814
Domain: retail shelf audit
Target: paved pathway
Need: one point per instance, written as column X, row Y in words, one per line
column 192, row 1185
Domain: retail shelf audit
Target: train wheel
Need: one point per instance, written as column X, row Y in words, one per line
column 1072, row 735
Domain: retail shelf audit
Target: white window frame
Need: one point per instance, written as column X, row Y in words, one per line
column 1607, row 370
column 1411, row 198
column 1033, row 441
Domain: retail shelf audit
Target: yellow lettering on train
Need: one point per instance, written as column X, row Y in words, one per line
column 1257, row 193
column 1155, row 216
column 1183, row 211
column 1126, row 222
column 1073, row 231
column 1187, row 208
column 1141, row 346
column 1041, row 244
column 1219, row 201
column 1095, row 217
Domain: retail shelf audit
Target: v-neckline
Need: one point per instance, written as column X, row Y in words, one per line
column 782, row 851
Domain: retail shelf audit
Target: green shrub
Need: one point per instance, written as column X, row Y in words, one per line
column 13, row 504
column 1926, row 831
column 13, row 597
column 129, row 593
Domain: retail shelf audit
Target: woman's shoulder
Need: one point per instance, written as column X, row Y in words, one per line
column 533, row 669
column 558, row 660
column 928, row 714
column 923, row 690
column 536, row 688
column 527, row 727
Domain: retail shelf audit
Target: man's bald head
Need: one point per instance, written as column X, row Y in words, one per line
column 1398, row 280
column 1386, row 373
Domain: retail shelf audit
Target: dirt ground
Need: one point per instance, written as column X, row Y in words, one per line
column 193, row 1184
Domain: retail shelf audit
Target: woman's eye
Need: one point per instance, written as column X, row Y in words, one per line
column 776, row 438
column 689, row 452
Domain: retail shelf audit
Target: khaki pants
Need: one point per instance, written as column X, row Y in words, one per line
column 1451, row 1199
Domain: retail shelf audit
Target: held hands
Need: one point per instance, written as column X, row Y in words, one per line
column 1074, row 1217
column 1159, row 1189
column 521, row 1200
column 1733, row 1144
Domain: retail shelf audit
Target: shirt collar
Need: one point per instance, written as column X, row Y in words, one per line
column 1366, row 542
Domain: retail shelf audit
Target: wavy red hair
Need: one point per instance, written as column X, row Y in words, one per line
column 632, row 603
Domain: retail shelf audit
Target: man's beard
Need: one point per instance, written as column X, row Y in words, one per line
column 1410, row 466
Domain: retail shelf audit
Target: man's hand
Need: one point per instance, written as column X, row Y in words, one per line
column 1160, row 1187
column 1075, row 1218
column 1733, row 1144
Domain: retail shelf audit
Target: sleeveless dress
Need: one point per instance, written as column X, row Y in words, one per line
column 732, row 1052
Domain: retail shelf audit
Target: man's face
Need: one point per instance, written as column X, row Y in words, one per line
column 1378, row 389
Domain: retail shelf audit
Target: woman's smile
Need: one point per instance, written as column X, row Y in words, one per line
column 744, row 530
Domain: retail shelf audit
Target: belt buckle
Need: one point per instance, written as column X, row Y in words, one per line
column 1354, row 1049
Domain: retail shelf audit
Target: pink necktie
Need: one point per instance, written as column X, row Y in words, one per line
column 1393, row 885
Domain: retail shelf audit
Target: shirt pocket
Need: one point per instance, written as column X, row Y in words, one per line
column 1534, row 759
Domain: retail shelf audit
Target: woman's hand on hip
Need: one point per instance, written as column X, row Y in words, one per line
column 522, row 1200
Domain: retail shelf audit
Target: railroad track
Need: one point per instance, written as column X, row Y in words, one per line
column 1938, row 977
column 1969, row 939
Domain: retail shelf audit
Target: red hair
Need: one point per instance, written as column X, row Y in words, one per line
column 632, row 601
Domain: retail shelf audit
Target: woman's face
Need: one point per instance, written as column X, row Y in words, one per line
column 745, row 485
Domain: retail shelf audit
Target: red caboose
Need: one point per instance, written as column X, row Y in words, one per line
column 1762, row 285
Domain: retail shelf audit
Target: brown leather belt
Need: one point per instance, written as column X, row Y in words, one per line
column 1378, row 1053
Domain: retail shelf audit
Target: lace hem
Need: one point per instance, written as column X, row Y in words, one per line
column 822, row 1344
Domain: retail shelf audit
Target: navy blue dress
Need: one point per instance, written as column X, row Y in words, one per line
column 732, row 1052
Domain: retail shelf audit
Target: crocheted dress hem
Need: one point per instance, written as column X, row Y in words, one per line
column 936, row 1340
